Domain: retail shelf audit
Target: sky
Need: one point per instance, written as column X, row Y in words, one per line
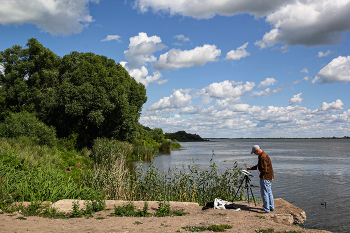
column 219, row 69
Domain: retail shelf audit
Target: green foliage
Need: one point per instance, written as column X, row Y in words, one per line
column 81, row 93
column 271, row 230
column 128, row 209
column 40, row 184
column 106, row 152
column 164, row 209
column 144, row 149
column 182, row 136
column 191, row 184
column 213, row 228
column 24, row 124
column 76, row 212
column 219, row 228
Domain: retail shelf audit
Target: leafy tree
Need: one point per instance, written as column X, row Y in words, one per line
column 81, row 93
column 29, row 74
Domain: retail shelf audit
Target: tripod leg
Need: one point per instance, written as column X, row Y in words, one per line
column 248, row 197
column 238, row 189
column 252, row 196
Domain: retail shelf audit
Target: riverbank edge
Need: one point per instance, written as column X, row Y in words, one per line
column 284, row 218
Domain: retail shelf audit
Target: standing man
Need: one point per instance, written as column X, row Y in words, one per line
column 266, row 175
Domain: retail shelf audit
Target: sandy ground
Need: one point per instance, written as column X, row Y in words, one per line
column 241, row 221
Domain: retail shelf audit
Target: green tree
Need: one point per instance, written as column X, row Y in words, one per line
column 29, row 74
column 81, row 93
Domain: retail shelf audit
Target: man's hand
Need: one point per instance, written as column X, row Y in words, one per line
column 248, row 168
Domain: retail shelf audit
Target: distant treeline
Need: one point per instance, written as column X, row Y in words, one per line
column 345, row 137
column 182, row 136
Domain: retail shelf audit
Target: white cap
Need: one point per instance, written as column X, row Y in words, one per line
column 255, row 148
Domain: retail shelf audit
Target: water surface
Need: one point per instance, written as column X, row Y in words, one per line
column 308, row 172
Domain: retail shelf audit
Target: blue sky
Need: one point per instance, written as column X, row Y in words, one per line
column 224, row 68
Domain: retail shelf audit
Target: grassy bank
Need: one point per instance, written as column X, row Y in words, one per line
column 32, row 172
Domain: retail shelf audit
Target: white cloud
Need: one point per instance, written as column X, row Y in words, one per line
column 283, row 49
column 141, row 75
column 2, row 69
column 338, row 70
column 239, row 53
column 322, row 54
column 296, row 99
column 267, row 82
column 300, row 80
column 56, row 17
column 208, row 9
column 226, row 89
column 141, row 49
column 295, row 22
column 309, row 23
column 176, row 58
column 113, row 37
column 304, row 71
column 262, row 93
column 182, row 38
column 176, row 100
column 331, row 107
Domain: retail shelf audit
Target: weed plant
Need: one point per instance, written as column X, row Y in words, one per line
column 213, row 228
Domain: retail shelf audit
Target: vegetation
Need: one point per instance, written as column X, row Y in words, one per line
column 213, row 228
column 271, row 230
column 182, row 136
column 67, row 126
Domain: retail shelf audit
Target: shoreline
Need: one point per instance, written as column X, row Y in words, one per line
column 282, row 219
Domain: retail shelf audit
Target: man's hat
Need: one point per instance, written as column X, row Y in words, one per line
column 255, row 148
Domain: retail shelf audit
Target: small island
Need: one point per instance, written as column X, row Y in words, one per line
column 182, row 136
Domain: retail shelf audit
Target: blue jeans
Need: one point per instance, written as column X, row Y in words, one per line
column 266, row 194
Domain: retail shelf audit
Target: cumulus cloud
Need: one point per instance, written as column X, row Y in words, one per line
column 295, row 22
column 226, row 89
column 56, row 17
column 309, row 23
column 304, row 71
column 113, row 37
column 338, row 70
column 322, row 54
column 176, row 100
column 208, row 9
column 301, row 80
column 141, row 49
column 239, row 53
column 141, row 75
column 267, row 82
column 176, row 58
column 330, row 107
column 296, row 99
column 182, row 38
column 263, row 93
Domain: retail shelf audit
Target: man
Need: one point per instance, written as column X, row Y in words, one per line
column 266, row 175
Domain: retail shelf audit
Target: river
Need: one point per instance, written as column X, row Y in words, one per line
column 308, row 172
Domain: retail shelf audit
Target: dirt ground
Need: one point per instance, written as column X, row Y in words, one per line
column 241, row 221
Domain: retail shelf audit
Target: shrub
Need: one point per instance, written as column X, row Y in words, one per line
column 26, row 124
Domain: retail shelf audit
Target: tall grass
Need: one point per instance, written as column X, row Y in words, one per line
column 189, row 184
column 29, row 172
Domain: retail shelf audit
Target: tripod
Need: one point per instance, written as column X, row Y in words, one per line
column 247, row 186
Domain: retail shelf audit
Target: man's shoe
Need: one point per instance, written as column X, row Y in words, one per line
column 263, row 212
column 272, row 210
